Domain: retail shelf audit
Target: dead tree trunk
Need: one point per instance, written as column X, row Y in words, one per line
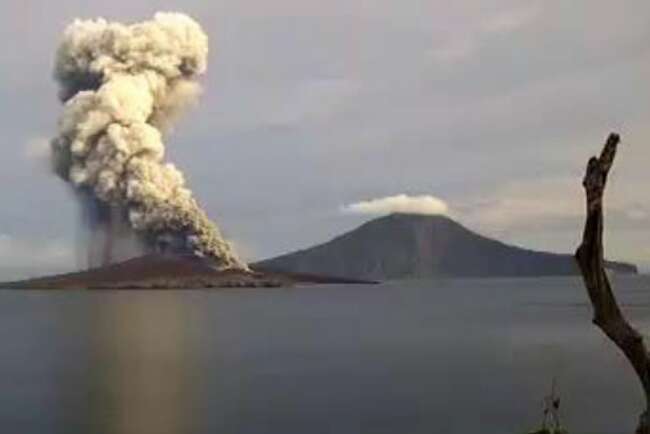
column 607, row 313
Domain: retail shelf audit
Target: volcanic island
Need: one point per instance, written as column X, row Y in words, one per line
column 172, row 271
column 122, row 86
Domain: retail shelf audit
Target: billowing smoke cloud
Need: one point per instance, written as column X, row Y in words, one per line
column 402, row 203
column 121, row 86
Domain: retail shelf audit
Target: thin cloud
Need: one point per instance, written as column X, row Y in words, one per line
column 454, row 51
column 402, row 203
column 460, row 46
column 511, row 19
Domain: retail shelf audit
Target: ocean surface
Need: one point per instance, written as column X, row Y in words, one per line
column 440, row 356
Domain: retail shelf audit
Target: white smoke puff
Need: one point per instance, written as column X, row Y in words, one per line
column 122, row 86
column 402, row 203
column 182, row 95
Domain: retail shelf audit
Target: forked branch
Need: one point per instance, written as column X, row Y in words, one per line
column 607, row 313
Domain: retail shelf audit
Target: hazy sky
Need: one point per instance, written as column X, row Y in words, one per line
column 491, row 107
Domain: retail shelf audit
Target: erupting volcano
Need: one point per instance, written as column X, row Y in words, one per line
column 122, row 86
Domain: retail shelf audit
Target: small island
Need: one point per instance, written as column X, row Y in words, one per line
column 167, row 271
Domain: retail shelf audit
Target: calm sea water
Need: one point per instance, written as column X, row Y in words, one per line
column 447, row 356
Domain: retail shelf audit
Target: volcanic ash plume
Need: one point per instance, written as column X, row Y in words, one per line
column 121, row 86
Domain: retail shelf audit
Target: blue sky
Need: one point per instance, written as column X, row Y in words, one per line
column 309, row 106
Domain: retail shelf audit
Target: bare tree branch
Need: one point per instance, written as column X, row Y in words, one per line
column 607, row 313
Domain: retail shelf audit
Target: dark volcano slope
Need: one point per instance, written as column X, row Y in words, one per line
column 402, row 246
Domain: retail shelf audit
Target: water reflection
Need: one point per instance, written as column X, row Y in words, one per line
column 143, row 376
